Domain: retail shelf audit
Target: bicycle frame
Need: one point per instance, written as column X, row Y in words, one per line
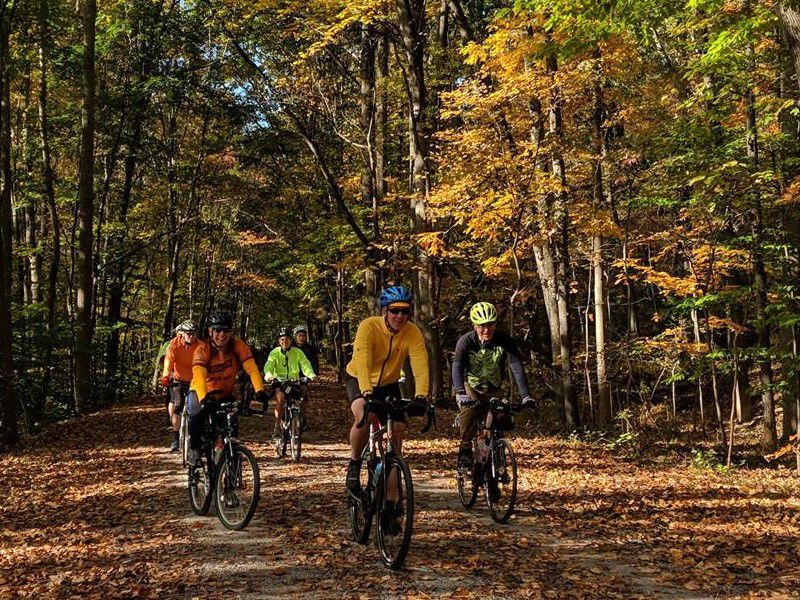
column 380, row 446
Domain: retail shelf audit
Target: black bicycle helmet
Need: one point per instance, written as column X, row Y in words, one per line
column 220, row 320
column 284, row 332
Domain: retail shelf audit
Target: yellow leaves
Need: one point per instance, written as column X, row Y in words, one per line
column 432, row 243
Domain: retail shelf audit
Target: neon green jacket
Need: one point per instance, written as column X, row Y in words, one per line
column 286, row 366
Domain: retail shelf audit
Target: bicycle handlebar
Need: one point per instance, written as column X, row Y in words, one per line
column 499, row 404
column 392, row 403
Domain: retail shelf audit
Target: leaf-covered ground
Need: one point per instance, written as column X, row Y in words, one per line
column 97, row 507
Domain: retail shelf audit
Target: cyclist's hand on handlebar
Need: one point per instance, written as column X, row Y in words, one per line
column 528, row 403
column 462, row 399
column 163, row 382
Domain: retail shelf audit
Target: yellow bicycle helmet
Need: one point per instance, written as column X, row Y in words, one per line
column 482, row 313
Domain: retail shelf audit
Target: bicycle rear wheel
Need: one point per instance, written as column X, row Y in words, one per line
column 359, row 510
column 296, row 434
column 200, row 488
column 395, row 526
column 238, row 488
column 501, row 481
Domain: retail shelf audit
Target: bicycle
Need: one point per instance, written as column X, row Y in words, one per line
column 495, row 466
column 229, row 475
column 292, row 419
column 380, row 467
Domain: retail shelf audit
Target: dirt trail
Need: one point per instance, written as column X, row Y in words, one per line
column 97, row 508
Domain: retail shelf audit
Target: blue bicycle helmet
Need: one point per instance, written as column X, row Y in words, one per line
column 395, row 294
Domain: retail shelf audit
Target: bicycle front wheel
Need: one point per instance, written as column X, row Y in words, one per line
column 501, row 481
column 395, row 518
column 183, row 438
column 296, row 434
column 359, row 509
column 282, row 442
column 200, row 489
column 465, row 482
column 238, row 488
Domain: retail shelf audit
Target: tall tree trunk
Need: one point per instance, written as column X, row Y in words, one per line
column 543, row 253
column 561, row 246
column 49, row 190
column 117, row 286
column 174, row 237
column 85, row 263
column 369, row 191
column 604, row 401
column 769, row 436
column 34, row 260
column 411, row 17
column 9, row 432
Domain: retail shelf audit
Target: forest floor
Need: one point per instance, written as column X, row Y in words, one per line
column 97, row 507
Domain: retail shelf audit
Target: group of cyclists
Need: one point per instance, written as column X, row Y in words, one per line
column 204, row 373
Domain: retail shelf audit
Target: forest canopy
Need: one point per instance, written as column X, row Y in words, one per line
column 619, row 178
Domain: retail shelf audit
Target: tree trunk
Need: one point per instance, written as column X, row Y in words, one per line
column 9, row 432
column 604, row 393
column 34, row 261
column 561, row 246
column 174, row 237
column 769, row 436
column 49, row 191
column 411, row 17
column 790, row 21
column 84, row 266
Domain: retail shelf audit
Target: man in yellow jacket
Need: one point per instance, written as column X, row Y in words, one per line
column 381, row 347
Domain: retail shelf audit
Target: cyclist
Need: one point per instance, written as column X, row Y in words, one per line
column 215, row 365
column 285, row 363
column 178, row 369
column 381, row 347
column 478, row 365
column 301, row 341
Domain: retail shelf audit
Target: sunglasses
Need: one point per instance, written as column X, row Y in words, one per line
column 221, row 329
column 400, row 311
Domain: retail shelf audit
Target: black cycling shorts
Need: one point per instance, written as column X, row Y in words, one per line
column 379, row 393
column 177, row 394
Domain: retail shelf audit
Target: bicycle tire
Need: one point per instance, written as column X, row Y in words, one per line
column 200, row 487
column 225, row 503
column 394, row 545
column 465, row 482
column 358, row 511
column 183, row 439
column 295, row 435
column 502, row 466
column 282, row 442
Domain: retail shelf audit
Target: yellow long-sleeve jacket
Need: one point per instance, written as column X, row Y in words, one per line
column 379, row 354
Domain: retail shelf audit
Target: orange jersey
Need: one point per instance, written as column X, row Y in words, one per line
column 178, row 360
column 221, row 364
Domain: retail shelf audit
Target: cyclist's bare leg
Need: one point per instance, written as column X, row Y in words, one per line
column 358, row 436
column 279, row 400
column 174, row 418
